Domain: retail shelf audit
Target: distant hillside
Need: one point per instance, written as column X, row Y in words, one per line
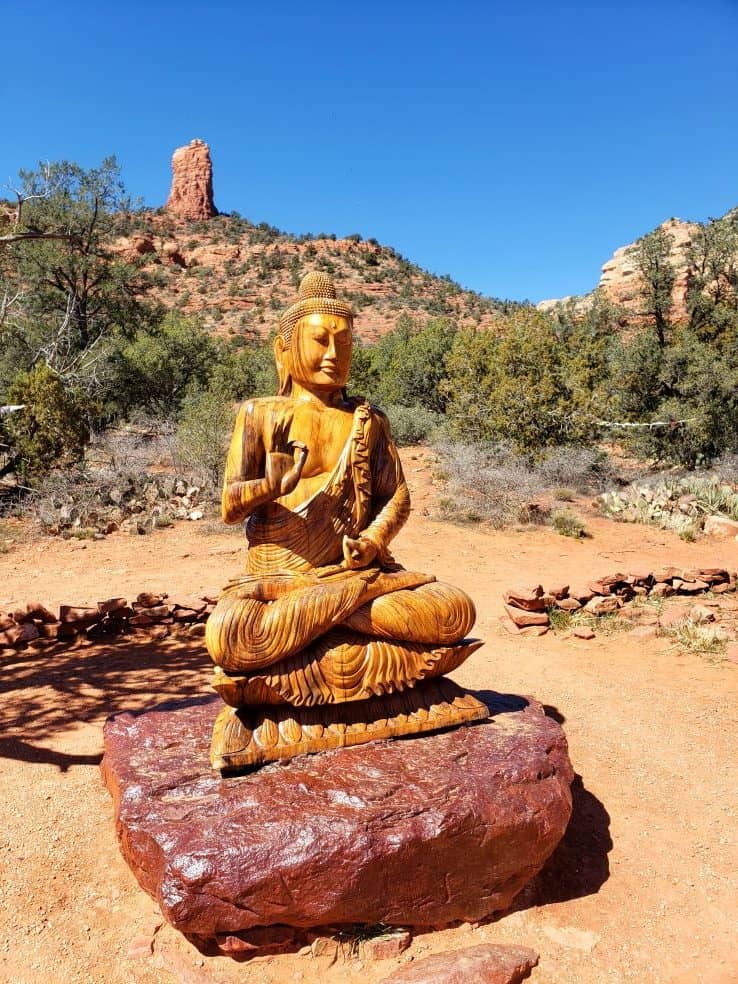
column 236, row 276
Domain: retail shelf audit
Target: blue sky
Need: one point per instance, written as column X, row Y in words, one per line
column 511, row 145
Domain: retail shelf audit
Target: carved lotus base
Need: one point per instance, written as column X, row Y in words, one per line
column 250, row 736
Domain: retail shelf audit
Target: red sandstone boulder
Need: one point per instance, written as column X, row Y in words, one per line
column 428, row 830
column 484, row 964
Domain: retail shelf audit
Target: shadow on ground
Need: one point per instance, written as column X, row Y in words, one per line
column 44, row 693
column 579, row 866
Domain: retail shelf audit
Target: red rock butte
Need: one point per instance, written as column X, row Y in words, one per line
column 191, row 196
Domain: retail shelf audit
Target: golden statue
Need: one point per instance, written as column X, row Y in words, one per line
column 326, row 641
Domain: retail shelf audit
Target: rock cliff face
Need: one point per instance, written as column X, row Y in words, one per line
column 191, row 196
column 619, row 280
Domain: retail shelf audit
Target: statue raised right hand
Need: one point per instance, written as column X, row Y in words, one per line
column 285, row 460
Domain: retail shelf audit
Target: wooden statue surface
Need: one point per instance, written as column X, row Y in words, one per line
column 324, row 618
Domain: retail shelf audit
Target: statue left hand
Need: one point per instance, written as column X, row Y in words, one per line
column 358, row 553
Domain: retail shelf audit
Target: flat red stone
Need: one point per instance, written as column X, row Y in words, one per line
column 487, row 963
column 426, row 830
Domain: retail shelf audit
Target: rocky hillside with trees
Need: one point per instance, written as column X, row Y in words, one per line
column 234, row 277
column 113, row 316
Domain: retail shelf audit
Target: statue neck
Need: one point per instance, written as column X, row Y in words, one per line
column 326, row 397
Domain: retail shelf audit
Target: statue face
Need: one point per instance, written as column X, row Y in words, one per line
column 321, row 351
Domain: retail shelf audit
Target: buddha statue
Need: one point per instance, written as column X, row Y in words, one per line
column 326, row 641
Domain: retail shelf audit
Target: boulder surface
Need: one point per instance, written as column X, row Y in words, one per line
column 437, row 828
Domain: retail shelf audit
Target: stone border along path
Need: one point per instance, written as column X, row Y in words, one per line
column 527, row 608
column 156, row 615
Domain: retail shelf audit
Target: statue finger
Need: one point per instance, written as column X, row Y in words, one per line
column 301, row 448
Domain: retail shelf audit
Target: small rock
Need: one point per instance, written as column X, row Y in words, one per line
column 602, row 605
column 558, row 591
column 386, row 947
column 12, row 635
column 111, row 605
column 70, row 615
column 690, row 587
column 195, row 514
column 714, row 575
column 524, row 618
column 582, row 632
column 568, row 604
column 639, row 577
column 325, row 946
column 142, row 619
column 644, row 632
column 149, row 600
column 582, row 594
column 484, row 964
column 534, row 630
column 530, row 599
column 720, row 527
column 662, row 589
column 664, row 574
column 40, row 612
column 701, row 613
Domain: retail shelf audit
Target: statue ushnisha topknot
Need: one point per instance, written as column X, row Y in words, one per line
column 317, row 295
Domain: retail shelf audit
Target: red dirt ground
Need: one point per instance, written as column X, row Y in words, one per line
column 643, row 888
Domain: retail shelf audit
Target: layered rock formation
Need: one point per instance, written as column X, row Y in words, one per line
column 191, row 196
column 620, row 279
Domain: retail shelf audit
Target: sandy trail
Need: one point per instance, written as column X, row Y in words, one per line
column 643, row 888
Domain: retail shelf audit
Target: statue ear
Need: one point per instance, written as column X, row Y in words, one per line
column 281, row 359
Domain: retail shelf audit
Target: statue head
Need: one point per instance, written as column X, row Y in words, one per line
column 313, row 347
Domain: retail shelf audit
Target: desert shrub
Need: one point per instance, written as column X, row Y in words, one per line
column 582, row 469
column 565, row 522
column 241, row 372
column 725, row 469
column 696, row 637
column 689, row 388
column 202, row 435
column 492, row 482
column 53, row 429
column 525, row 384
column 408, row 365
column 678, row 504
column 160, row 364
column 488, row 483
column 412, row 425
